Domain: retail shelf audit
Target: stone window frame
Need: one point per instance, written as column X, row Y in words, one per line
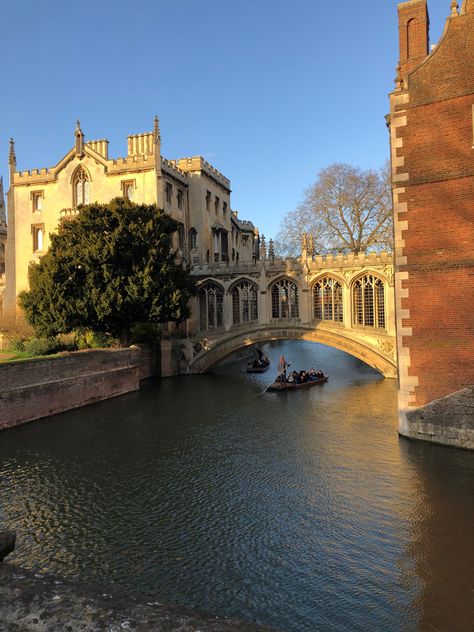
column 328, row 305
column 37, row 234
column 217, row 202
column 126, row 184
column 180, row 198
column 211, row 306
column 224, row 209
column 181, row 235
column 208, row 200
column 192, row 237
column 37, row 198
column 82, row 195
column 168, row 192
column 369, row 306
column 284, row 299
column 244, row 295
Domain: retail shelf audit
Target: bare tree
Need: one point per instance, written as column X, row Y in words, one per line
column 347, row 209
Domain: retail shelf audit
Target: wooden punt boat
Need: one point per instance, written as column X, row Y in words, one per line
column 257, row 369
column 276, row 386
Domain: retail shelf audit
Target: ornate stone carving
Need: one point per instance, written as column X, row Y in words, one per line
column 386, row 346
column 388, row 271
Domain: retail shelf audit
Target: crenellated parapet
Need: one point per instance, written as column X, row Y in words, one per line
column 170, row 167
column 200, row 165
column 349, row 265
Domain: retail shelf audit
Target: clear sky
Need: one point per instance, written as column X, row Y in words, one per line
column 267, row 91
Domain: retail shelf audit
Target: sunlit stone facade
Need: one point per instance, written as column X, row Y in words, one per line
column 189, row 189
column 3, row 238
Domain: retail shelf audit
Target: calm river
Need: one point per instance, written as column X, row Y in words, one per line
column 300, row 510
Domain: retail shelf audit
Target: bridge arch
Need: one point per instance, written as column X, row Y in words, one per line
column 377, row 353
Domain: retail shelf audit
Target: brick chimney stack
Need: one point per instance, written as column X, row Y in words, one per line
column 413, row 30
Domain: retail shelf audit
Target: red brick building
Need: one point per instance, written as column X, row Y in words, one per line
column 432, row 153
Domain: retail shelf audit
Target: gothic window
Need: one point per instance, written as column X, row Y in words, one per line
column 211, row 306
column 327, row 300
column 224, row 246
column 180, row 236
column 192, row 238
column 368, row 302
column 37, row 200
column 244, row 303
column 224, row 209
column 168, row 192
column 216, row 204
column 81, row 188
column 285, row 299
column 37, row 232
column 180, row 198
column 208, row 200
column 128, row 189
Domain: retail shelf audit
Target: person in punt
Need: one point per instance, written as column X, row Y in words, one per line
column 282, row 366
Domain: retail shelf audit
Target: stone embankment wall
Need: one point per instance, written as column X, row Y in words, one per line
column 40, row 387
column 30, row 601
column 448, row 420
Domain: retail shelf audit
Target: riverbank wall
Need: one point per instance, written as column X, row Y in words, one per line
column 41, row 387
column 445, row 421
column 33, row 601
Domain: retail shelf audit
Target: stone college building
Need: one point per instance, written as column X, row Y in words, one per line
column 190, row 190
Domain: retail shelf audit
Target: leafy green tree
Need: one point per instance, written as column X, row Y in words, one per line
column 346, row 209
column 107, row 268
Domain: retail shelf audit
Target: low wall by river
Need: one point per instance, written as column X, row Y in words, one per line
column 446, row 421
column 40, row 387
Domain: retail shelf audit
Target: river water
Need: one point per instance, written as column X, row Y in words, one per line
column 300, row 510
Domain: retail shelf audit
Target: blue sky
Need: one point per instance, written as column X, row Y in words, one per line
column 268, row 91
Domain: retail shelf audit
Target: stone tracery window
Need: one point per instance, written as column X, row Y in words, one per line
column 368, row 301
column 192, row 238
column 285, row 299
column 327, row 300
column 81, row 188
column 244, row 303
column 211, row 306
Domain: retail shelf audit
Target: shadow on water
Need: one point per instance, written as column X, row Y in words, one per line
column 300, row 510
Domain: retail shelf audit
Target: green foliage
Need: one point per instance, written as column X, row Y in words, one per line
column 16, row 344
column 146, row 332
column 41, row 346
column 87, row 339
column 106, row 269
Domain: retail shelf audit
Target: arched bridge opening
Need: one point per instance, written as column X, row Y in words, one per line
column 379, row 354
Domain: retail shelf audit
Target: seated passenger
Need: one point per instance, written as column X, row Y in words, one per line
column 319, row 374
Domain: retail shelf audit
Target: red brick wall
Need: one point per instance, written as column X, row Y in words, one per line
column 439, row 242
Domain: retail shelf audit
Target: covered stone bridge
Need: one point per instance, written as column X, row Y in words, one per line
column 343, row 301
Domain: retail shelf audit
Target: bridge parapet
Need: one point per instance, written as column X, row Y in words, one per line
column 295, row 264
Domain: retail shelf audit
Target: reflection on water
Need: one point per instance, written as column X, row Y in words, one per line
column 301, row 510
